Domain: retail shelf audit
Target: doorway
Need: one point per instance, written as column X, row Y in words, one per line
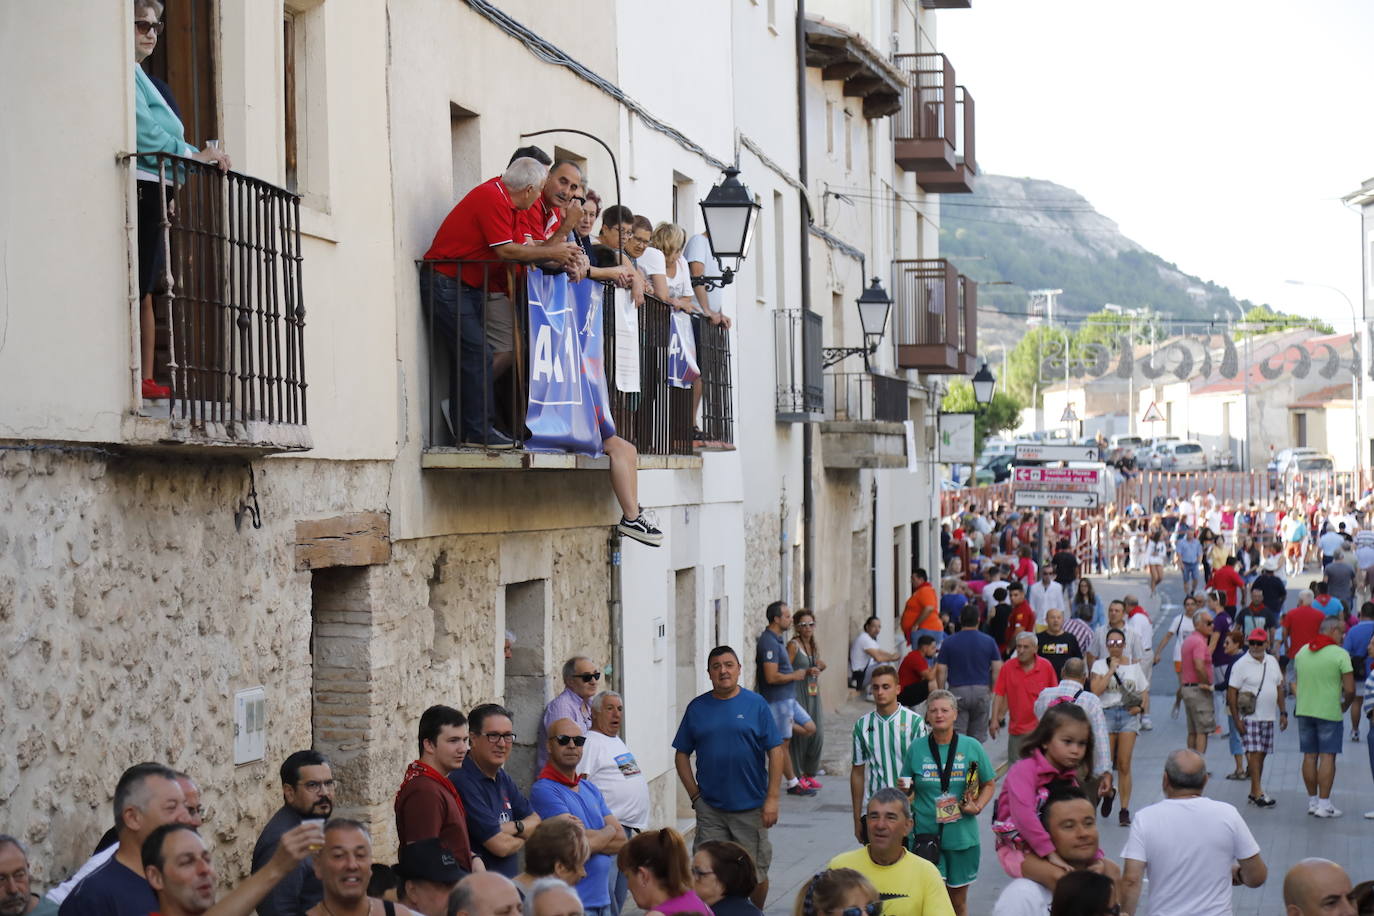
column 688, row 660
column 525, row 691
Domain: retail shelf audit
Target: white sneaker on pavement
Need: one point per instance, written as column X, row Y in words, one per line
column 1328, row 811
column 1370, row 815
column 1312, row 807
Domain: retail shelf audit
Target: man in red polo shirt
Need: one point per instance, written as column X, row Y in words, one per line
column 482, row 227
column 1300, row 626
column 1227, row 581
column 1018, row 684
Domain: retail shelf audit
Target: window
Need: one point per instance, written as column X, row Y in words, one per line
column 829, row 126
column 465, row 138
column 848, row 141
column 1300, row 429
column 684, row 203
column 305, row 125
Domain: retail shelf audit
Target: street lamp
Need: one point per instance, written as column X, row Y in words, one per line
column 728, row 212
column 874, row 304
column 984, row 383
column 1357, row 346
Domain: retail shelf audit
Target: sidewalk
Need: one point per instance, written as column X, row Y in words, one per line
column 812, row 830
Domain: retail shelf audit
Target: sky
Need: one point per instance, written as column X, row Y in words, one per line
column 1219, row 134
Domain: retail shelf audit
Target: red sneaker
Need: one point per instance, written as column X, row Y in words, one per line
column 152, row 391
column 811, row 782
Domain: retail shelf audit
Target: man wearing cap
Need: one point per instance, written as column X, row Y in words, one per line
column 1256, row 674
column 427, row 874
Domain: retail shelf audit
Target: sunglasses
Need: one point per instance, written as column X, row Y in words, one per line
column 1257, row 642
column 563, row 740
column 868, row 909
column 149, row 28
column 589, row 676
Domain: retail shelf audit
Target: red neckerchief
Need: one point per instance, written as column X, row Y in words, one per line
column 418, row 769
column 550, row 773
column 1321, row 641
column 1139, row 610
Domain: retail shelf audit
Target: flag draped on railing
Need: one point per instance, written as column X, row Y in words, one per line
column 569, row 404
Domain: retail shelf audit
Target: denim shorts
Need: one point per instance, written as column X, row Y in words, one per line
column 785, row 712
column 1320, row 736
column 1119, row 720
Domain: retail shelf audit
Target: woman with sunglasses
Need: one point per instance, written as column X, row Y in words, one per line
column 559, row 790
column 723, row 876
column 658, row 872
column 1116, row 680
column 159, row 130
column 838, row 892
column 801, row 648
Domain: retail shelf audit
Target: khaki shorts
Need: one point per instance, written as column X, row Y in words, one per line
column 1201, row 710
column 742, row 827
column 500, row 323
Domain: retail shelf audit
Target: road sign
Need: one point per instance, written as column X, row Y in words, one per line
column 1055, row 499
column 1071, row 478
column 1152, row 414
column 1068, row 416
column 1037, row 452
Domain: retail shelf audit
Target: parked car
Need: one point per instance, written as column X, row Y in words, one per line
column 1121, row 451
column 1279, row 462
column 998, row 466
column 1223, row 459
column 1183, row 455
column 1307, row 465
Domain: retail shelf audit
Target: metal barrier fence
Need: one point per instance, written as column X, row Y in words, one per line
column 235, row 306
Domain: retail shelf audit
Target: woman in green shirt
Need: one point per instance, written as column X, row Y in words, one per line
column 948, row 795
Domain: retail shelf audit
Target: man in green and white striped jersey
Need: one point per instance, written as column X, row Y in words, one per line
column 881, row 738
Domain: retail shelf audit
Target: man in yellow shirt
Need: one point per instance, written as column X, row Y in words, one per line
column 908, row 884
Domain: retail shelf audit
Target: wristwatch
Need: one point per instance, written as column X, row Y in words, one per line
column 519, row 828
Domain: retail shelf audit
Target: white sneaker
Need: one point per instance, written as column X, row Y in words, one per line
column 1328, row 811
column 1370, row 815
column 1312, row 807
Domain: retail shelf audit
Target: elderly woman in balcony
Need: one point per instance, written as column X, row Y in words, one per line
column 666, row 267
column 159, row 131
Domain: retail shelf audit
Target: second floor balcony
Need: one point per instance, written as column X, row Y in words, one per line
column 934, row 133
column 229, row 311
column 935, row 325
column 865, row 416
column 632, row 360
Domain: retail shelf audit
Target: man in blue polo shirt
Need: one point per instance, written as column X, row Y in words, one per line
column 500, row 820
column 739, row 764
column 561, row 790
column 967, row 667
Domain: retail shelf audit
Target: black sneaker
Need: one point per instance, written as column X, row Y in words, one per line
column 800, row 789
column 641, row 530
column 494, row 439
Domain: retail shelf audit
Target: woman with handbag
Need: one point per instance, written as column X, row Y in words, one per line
column 951, row 782
column 1255, row 696
column 1121, row 687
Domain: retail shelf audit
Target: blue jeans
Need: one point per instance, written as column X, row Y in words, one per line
column 458, row 322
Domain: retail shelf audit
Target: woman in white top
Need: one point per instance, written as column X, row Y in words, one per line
column 666, row 268
column 1113, row 677
column 1154, row 558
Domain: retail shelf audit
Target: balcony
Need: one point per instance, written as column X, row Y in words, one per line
column 934, row 133
column 231, row 315
column 927, row 324
column 797, row 361
column 968, row 324
column 865, row 417
column 657, row 418
column 947, row 4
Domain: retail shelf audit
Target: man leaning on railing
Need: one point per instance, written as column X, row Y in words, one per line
column 484, row 225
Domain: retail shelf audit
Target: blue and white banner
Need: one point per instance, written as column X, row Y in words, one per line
column 569, row 405
column 682, row 352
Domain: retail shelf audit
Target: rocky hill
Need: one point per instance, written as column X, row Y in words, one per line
column 1036, row 234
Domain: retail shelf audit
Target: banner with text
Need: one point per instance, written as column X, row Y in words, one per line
column 682, row 352
column 569, row 404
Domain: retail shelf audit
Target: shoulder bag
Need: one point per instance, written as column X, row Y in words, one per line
column 1129, row 697
column 1246, row 700
column 927, row 845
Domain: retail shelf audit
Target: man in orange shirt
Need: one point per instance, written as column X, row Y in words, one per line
column 922, row 612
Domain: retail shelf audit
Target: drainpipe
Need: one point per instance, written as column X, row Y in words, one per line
column 808, row 433
column 873, row 550
column 617, row 613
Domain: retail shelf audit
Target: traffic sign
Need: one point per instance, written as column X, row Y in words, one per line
column 1152, row 414
column 1055, row 499
column 1068, row 416
column 1034, row 451
column 1071, row 478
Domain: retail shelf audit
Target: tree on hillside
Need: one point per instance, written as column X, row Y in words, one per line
column 1002, row 415
column 1023, row 362
column 1261, row 319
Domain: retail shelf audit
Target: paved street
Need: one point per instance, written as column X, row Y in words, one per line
column 812, row 830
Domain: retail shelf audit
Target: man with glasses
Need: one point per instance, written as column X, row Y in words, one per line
column 427, row 805
column 561, row 791
column 1257, row 675
column 307, row 788
column 581, row 679
column 500, row 819
column 909, row 885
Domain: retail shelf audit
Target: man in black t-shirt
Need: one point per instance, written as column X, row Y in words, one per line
column 1057, row 645
column 1065, row 566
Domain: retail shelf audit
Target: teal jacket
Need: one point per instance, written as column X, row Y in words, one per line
column 159, row 128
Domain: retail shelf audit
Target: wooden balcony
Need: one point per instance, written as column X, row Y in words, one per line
column 960, row 179
column 927, row 325
column 925, row 130
column 968, row 323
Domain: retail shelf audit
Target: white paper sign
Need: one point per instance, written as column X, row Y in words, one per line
column 626, row 342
